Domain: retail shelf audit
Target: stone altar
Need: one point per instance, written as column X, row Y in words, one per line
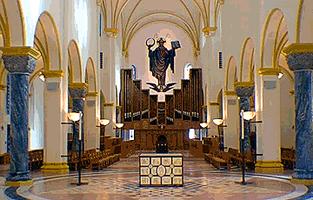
column 159, row 169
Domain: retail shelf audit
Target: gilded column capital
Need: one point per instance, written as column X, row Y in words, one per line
column 230, row 93
column 19, row 64
column 53, row 73
column 111, row 32
column 92, row 94
column 269, row 71
column 299, row 56
column 244, row 89
column 125, row 52
column 78, row 90
column 2, row 87
column 20, row 51
column 207, row 30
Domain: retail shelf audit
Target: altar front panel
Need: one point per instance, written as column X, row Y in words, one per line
column 161, row 169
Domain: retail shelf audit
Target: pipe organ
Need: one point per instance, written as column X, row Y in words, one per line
column 182, row 109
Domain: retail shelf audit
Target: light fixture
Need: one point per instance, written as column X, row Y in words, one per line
column 42, row 77
column 104, row 122
column 218, row 121
column 248, row 115
column 74, row 116
column 203, row 124
column 119, row 125
column 280, row 75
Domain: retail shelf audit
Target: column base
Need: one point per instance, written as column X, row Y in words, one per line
column 18, row 183
column 60, row 168
column 271, row 167
column 302, row 181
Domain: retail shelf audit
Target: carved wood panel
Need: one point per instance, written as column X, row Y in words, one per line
column 126, row 94
column 154, row 109
column 136, row 100
column 178, row 103
column 185, row 84
column 145, row 104
column 169, row 109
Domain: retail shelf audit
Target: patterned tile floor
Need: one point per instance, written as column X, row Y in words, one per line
column 120, row 182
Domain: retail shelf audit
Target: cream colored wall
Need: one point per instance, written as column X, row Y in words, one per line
column 287, row 114
column 36, row 115
column 138, row 54
column 239, row 20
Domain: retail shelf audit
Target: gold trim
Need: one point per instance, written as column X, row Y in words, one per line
column 61, row 167
column 302, row 181
column 3, row 87
column 263, row 37
column 292, row 92
column 111, row 32
column 298, row 22
column 92, row 94
column 18, row 183
column 78, row 85
column 90, row 60
column 230, row 93
column 244, row 84
column 118, row 107
column 108, row 104
column 269, row 167
column 214, row 103
column 227, row 71
column 242, row 57
column 298, row 48
column 209, row 29
column 53, row 73
column 269, row 71
column 21, row 51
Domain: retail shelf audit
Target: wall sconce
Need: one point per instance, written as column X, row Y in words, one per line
column 119, row 125
column 203, row 124
column 218, row 121
column 74, row 116
column 103, row 122
column 248, row 115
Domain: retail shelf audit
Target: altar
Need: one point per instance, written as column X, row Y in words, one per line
column 161, row 169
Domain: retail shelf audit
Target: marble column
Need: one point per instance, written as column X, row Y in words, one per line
column 244, row 91
column 55, row 143
column 268, row 134
column 231, row 132
column 90, row 121
column 78, row 93
column 300, row 61
column 20, row 62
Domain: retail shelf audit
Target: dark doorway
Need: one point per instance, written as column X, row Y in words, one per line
column 161, row 145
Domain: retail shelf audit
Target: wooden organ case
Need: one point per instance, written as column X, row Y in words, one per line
column 150, row 118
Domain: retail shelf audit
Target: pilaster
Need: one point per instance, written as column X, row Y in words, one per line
column 91, row 131
column 109, row 75
column 55, row 143
column 300, row 61
column 268, row 135
column 20, row 62
column 231, row 135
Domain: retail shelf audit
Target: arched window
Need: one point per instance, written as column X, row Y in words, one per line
column 187, row 68
column 134, row 72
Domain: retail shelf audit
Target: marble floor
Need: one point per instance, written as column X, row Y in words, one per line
column 120, row 182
